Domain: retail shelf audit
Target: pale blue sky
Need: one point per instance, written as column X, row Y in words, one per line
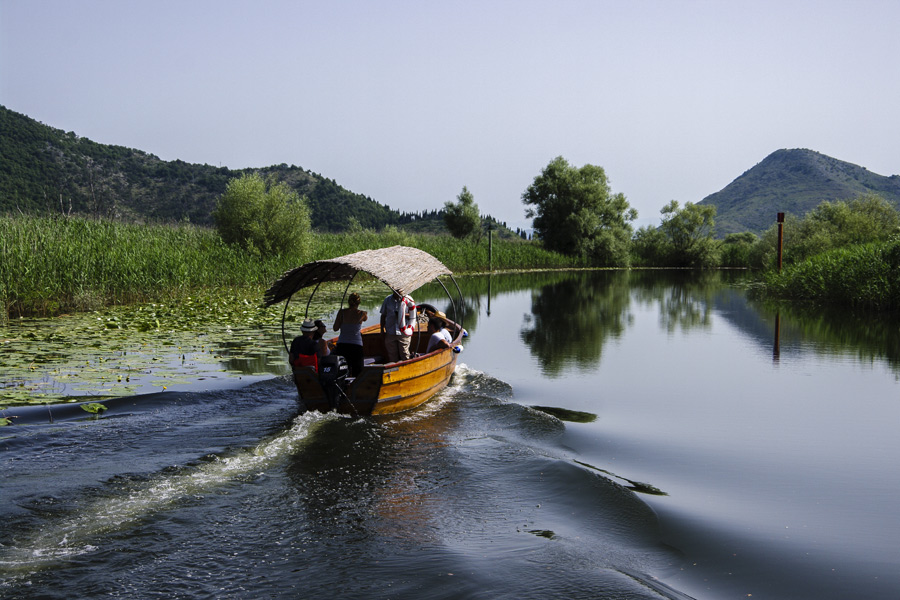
column 407, row 102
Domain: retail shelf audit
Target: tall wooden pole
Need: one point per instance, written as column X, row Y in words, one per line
column 780, row 238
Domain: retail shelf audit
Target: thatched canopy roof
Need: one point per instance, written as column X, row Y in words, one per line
column 401, row 268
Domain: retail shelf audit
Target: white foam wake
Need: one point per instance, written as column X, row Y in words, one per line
column 79, row 533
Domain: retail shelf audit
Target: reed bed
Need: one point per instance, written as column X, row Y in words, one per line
column 865, row 276
column 460, row 255
column 50, row 265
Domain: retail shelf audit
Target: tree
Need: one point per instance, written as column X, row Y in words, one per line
column 650, row 247
column 690, row 233
column 736, row 249
column 462, row 218
column 264, row 217
column 867, row 218
column 576, row 213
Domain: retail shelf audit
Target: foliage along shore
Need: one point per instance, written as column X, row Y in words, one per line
column 52, row 265
column 843, row 253
column 863, row 276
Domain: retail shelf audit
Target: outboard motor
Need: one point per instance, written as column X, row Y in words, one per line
column 333, row 371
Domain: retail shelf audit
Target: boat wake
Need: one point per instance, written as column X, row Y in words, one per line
column 466, row 383
column 82, row 530
column 78, row 534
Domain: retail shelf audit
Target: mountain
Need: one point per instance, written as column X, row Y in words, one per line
column 43, row 170
column 793, row 181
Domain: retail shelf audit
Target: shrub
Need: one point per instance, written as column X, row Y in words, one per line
column 265, row 218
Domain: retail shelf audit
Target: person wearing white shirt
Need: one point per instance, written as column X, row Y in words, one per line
column 440, row 337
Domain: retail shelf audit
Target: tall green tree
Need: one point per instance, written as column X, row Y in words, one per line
column 576, row 213
column 689, row 231
column 462, row 217
column 263, row 216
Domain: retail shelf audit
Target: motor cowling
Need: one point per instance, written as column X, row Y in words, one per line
column 333, row 372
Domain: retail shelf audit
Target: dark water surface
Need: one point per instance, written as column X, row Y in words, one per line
column 609, row 435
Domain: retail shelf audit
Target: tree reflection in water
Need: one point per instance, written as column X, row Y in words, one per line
column 686, row 298
column 574, row 313
column 573, row 318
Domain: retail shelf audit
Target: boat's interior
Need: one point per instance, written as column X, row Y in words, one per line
column 373, row 342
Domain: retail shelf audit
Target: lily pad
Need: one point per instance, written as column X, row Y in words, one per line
column 209, row 335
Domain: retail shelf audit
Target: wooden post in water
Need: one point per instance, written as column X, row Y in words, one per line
column 780, row 238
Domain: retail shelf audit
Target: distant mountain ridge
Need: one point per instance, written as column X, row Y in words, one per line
column 43, row 169
column 793, row 181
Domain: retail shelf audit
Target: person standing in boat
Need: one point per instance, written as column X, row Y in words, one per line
column 398, row 322
column 303, row 352
column 350, row 343
column 440, row 337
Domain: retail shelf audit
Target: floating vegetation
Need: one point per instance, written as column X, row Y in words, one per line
column 122, row 351
column 564, row 414
column 93, row 407
column 634, row 486
column 544, row 533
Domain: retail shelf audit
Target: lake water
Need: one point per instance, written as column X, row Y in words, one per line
column 608, row 435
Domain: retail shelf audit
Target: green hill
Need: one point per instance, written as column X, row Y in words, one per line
column 43, row 170
column 793, row 181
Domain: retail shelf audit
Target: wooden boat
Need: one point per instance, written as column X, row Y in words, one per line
column 379, row 388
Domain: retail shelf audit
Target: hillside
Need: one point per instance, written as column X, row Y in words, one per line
column 43, row 169
column 793, row 181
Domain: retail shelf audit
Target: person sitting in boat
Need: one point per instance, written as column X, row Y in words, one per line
column 350, row 343
column 303, row 348
column 440, row 337
column 398, row 323
column 322, row 349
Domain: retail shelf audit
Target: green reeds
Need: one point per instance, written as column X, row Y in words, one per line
column 460, row 255
column 53, row 264
column 50, row 265
column 863, row 276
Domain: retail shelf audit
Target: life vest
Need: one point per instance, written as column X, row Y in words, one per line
column 307, row 360
column 406, row 324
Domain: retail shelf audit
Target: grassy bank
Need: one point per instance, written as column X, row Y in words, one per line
column 50, row 265
column 864, row 276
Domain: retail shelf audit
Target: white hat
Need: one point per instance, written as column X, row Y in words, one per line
column 308, row 326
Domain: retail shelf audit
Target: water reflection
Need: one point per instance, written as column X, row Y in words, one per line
column 478, row 290
column 830, row 331
column 372, row 479
column 685, row 298
column 573, row 315
column 776, row 349
column 253, row 352
column 571, row 320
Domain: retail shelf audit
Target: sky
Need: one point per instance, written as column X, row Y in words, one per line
column 407, row 102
